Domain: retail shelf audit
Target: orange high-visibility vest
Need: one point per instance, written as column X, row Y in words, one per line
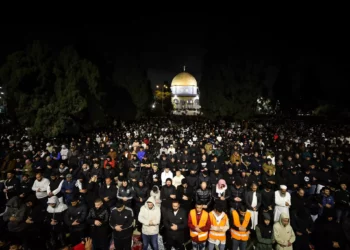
column 214, row 235
column 243, row 236
column 202, row 236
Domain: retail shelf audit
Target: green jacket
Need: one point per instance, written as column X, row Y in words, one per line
column 263, row 243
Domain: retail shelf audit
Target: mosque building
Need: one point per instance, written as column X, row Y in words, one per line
column 185, row 92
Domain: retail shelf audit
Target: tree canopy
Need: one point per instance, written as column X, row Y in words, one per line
column 130, row 74
column 49, row 92
column 230, row 87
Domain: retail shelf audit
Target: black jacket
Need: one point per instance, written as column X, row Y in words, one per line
column 124, row 218
column 180, row 219
column 110, row 192
column 141, row 192
column 127, row 192
column 267, row 199
column 298, row 202
column 180, row 192
column 54, row 185
column 192, row 180
column 204, row 196
column 101, row 215
column 249, row 198
column 236, row 192
column 78, row 213
column 12, row 187
column 342, row 199
column 165, row 195
column 26, row 188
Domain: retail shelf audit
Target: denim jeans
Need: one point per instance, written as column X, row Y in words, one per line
column 238, row 243
column 150, row 239
column 342, row 214
column 312, row 190
column 211, row 246
column 198, row 246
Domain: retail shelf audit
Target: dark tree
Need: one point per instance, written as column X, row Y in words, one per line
column 50, row 92
column 231, row 86
column 129, row 73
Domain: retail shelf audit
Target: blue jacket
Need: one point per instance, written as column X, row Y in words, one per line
column 68, row 186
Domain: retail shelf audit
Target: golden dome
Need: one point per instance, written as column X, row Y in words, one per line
column 184, row 79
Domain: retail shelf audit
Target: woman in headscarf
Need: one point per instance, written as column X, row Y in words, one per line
column 264, row 233
column 221, row 194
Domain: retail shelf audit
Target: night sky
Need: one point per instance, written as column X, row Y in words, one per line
column 168, row 41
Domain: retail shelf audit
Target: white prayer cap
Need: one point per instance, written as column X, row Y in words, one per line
column 283, row 187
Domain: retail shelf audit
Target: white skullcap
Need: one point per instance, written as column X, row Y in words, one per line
column 283, row 187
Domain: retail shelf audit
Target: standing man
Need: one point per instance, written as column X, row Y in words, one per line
column 149, row 217
column 75, row 218
column 108, row 193
column 54, row 188
column 40, row 188
column 121, row 220
column 199, row 225
column 219, row 224
column 97, row 219
column 283, row 233
column 175, row 222
column 12, row 185
column 282, row 202
column 240, row 228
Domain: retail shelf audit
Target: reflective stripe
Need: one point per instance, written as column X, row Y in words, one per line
column 217, row 234
column 203, row 235
column 241, row 234
column 238, row 235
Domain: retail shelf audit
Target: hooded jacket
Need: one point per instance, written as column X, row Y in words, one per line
column 264, row 234
column 15, row 208
column 55, row 213
column 147, row 215
column 283, row 234
column 156, row 196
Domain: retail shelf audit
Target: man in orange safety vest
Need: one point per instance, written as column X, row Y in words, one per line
column 240, row 227
column 199, row 225
column 219, row 225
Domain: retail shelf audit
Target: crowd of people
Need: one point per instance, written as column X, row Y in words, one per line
column 181, row 183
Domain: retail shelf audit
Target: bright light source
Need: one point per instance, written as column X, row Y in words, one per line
column 2, row 93
column 153, row 106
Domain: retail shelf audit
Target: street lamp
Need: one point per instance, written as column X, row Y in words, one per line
column 163, row 87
